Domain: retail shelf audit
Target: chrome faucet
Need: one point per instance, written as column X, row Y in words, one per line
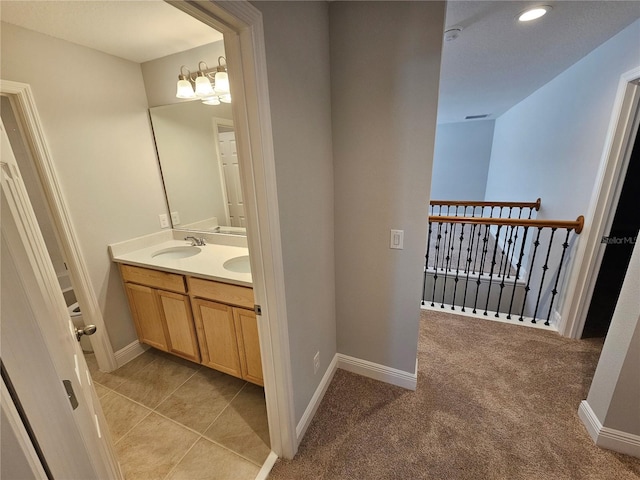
column 196, row 241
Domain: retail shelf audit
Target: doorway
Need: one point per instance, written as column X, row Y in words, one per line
column 261, row 204
column 619, row 245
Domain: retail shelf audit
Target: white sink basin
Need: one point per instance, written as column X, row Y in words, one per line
column 238, row 264
column 177, row 252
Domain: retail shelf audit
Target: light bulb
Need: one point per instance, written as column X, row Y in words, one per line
column 222, row 83
column 203, row 87
column 184, row 89
column 533, row 13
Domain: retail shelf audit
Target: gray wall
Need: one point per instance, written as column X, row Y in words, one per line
column 102, row 148
column 614, row 395
column 550, row 144
column 297, row 48
column 461, row 160
column 385, row 66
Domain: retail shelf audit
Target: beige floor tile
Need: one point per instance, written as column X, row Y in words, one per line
column 101, row 391
column 243, row 427
column 121, row 413
column 157, row 380
column 117, row 377
column 153, row 448
column 207, row 461
column 200, row 400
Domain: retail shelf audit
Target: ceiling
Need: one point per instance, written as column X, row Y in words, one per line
column 497, row 61
column 134, row 30
column 494, row 64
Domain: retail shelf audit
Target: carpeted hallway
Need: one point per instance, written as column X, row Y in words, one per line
column 494, row 401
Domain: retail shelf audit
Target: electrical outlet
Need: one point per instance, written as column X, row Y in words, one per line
column 164, row 220
column 316, row 362
column 175, row 218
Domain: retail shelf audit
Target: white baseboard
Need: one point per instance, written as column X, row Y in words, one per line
column 379, row 372
column 268, row 464
column 128, row 353
column 318, row 395
column 606, row 437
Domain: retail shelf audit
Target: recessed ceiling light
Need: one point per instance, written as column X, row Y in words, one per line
column 533, row 13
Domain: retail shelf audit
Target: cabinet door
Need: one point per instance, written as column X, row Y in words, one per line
column 179, row 322
column 146, row 315
column 248, row 345
column 217, row 336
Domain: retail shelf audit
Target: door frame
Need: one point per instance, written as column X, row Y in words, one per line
column 22, row 99
column 615, row 159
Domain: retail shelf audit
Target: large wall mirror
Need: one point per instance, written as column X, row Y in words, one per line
column 199, row 163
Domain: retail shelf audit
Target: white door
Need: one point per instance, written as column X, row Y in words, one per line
column 39, row 348
column 231, row 172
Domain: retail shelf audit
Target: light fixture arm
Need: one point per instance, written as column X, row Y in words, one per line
column 197, row 79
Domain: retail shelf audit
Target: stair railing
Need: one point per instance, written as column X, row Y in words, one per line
column 494, row 264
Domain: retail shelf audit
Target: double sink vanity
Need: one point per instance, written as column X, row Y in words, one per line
column 193, row 301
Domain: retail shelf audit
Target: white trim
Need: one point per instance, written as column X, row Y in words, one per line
column 315, row 401
column 606, row 437
column 28, row 114
column 268, row 464
column 379, row 372
column 131, row 351
column 526, row 322
column 617, row 150
column 241, row 24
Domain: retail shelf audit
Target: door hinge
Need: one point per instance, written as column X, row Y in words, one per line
column 72, row 396
column 257, row 309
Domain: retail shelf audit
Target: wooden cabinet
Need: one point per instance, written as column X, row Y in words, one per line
column 228, row 334
column 201, row 320
column 163, row 319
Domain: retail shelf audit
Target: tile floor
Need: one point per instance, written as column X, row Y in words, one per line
column 173, row 419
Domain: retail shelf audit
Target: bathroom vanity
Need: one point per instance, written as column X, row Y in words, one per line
column 184, row 301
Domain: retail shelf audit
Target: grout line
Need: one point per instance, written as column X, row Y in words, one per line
column 136, row 424
column 225, row 407
column 182, row 457
column 174, row 390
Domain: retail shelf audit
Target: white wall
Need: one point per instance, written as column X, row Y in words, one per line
column 461, row 160
column 297, row 49
column 550, row 144
column 385, row 66
column 614, row 395
column 102, row 149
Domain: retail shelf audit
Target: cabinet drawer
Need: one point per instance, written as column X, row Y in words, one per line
column 153, row 278
column 221, row 292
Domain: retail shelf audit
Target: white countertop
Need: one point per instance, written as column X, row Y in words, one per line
column 206, row 264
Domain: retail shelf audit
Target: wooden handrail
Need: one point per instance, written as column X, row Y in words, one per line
column 577, row 224
column 472, row 203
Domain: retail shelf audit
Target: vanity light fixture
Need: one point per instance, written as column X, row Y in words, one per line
column 533, row 13
column 211, row 84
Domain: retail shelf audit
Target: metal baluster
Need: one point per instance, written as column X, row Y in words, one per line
column 493, row 265
column 533, row 259
column 555, row 285
column 435, row 269
column 507, row 263
column 517, row 275
column 475, row 260
column 545, row 267
column 484, row 252
column 507, row 266
column 426, row 264
column 469, row 254
column 485, row 249
column 448, row 258
column 455, row 285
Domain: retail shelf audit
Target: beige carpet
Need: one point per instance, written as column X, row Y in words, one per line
column 494, row 401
